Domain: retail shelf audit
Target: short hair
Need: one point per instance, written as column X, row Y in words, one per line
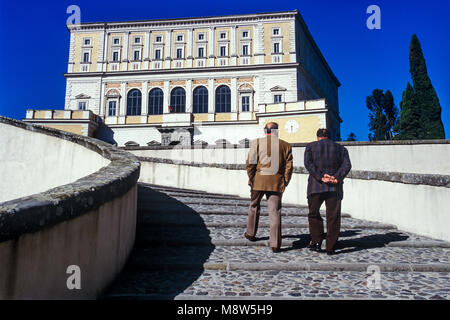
column 324, row 133
column 274, row 125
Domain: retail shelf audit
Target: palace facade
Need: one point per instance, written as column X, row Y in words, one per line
column 197, row 80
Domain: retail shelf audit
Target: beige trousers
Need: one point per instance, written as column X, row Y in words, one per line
column 274, row 208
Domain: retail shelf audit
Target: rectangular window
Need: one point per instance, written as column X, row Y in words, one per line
column 158, row 39
column 277, row 98
column 86, row 57
column 179, row 38
column 137, row 55
column 245, row 34
column 276, row 32
column 116, row 41
column 82, row 105
column 179, row 53
column 115, row 56
column 137, row 39
column 245, row 103
column 223, row 35
column 223, row 51
column 157, row 54
column 245, row 50
column 201, row 36
column 276, row 47
column 112, row 108
column 87, row 42
column 201, row 52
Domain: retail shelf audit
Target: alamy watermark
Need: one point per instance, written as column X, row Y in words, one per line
column 374, row 20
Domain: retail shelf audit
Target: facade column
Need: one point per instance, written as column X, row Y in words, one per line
column 144, row 110
column 146, row 56
column 258, row 48
column 71, row 51
column 211, row 46
column 234, row 97
column 101, row 52
column 105, row 53
column 190, row 47
column 168, row 50
column 234, row 46
column 211, row 100
column 189, row 96
column 102, row 100
column 125, row 51
column 166, row 98
column 123, row 103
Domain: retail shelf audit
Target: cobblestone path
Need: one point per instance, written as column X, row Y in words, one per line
column 190, row 245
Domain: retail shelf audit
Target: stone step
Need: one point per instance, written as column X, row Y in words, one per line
column 291, row 237
column 227, row 220
column 152, row 201
column 275, row 284
column 298, row 258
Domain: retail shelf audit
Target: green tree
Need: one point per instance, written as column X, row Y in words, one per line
column 409, row 127
column 383, row 115
column 351, row 137
column 426, row 97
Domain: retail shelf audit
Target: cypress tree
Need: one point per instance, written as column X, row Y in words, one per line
column 426, row 97
column 409, row 126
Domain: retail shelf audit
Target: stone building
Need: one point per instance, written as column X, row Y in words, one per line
column 200, row 79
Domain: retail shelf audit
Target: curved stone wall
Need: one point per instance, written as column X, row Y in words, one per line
column 82, row 229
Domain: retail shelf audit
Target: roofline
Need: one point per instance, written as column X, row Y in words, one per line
column 169, row 20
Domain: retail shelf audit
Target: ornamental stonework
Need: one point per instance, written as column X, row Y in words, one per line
column 112, row 85
column 134, row 84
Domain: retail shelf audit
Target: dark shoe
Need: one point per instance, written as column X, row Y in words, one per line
column 330, row 253
column 252, row 239
column 316, row 247
column 275, row 250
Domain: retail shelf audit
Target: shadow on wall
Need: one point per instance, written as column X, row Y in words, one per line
column 105, row 133
column 172, row 244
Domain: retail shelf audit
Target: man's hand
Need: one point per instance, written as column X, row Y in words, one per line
column 329, row 179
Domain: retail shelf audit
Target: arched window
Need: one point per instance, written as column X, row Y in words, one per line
column 223, row 99
column 200, row 100
column 134, row 102
column 177, row 100
column 155, row 101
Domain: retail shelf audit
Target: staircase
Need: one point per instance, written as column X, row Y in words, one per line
column 190, row 245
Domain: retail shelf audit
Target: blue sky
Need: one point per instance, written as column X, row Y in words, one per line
column 34, row 45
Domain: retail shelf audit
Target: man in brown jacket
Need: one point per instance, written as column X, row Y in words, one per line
column 269, row 169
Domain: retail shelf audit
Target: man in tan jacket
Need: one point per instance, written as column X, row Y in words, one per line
column 269, row 169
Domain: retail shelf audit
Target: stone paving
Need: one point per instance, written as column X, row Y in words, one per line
column 190, row 245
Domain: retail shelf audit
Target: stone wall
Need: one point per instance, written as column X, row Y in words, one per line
column 88, row 222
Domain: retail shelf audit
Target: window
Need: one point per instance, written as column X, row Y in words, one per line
column 115, row 56
column 137, row 39
column 223, row 51
column 223, row 35
column 245, row 50
column 112, row 108
column 116, row 40
column 82, row 105
column 177, row 100
column 179, row 53
column 245, row 104
column 223, row 99
column 157, row 54
column 87, row 42
column 276, row 31
column 200, row 100
column 86, row 57
column 134, row 102
column 276, row 47
column 244, row 34
column 277, row 98
column 158, row 39
column 155, row 101
column 201, row 36
column 201, row 52
column 137, row 54
column 180, row 38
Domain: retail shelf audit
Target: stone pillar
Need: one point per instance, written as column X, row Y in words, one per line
column 71, row 51
column 234, row 97
column 125, row 51
column 168, row 50
column 105, row 53
column 122, row 103
column 211, row 46
column 101, row 51
column 102, row 102
column 144, row 110
column 234, row 49
column 166, row 99
column 146, row 56
column 189, row 96
column 190, row 48
column 211, row 100
column 258, row 47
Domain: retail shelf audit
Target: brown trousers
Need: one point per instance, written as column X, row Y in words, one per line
column 333, row 216
column 274, row 208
